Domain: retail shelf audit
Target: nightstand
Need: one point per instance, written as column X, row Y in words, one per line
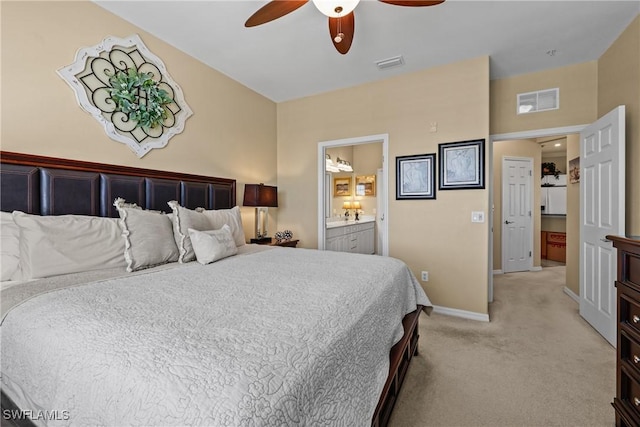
column 263, row 241
column 286, row 243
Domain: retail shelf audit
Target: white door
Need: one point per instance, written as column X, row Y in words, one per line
column 602, row 197
column 517, row 222
column 379, row 211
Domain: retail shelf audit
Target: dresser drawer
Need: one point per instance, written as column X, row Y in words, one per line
column 630, row 393
column 630, row 312
column 630, row 352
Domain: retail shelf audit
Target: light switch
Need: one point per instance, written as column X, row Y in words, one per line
column 477, row 216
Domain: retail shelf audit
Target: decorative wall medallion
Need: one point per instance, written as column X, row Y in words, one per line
column 128, row 89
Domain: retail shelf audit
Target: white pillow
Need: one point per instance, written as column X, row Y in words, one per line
column 213, row 245
column 9, row 246
column 183, row 220
column 64, row 244
column 148, row 236
column 231, row 217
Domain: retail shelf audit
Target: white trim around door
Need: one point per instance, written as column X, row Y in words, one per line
column 370, row 139
column 527, row 134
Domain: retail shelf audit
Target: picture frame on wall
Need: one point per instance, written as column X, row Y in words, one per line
column 416, row 177
column 366, row 185
column 461, row 165
column 342, row 186
column 574, row 170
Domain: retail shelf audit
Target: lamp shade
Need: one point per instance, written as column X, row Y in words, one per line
column 260, row 195
column 346, row 205
column 356, row 205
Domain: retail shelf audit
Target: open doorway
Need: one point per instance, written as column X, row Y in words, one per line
column 362, row 190
column 534, row 139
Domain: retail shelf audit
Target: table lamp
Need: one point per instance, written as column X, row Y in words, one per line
column 262, row 197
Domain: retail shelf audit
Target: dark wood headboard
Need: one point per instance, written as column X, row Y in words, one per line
column 52, row 186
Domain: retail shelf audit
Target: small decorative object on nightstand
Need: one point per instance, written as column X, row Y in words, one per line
column 279, row 236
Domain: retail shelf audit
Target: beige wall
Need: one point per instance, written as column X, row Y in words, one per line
column 619, row 84
column 553, row 223
column 578, row 86
column 572, row 222
column 231, row 134
column 434, row 235
column 367, row 159
column 520, row 148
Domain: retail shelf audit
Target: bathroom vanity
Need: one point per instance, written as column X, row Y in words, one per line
column 351, row 236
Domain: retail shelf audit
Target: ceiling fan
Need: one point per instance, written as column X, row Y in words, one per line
column 340, row 13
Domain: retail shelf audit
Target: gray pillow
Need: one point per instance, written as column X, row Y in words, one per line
column 148, row 236
column 213, row 245
column 183, row 220
column 64, row 244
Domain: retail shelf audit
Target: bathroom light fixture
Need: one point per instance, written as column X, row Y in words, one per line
column 262, row 197
column 344, row 165
column 329, row 165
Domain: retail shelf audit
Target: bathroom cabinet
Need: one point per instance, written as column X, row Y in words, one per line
column 352, row 237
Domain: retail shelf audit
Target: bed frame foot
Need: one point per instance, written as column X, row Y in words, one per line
column 400, row 358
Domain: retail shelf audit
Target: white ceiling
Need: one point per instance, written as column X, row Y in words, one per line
column 293, row 56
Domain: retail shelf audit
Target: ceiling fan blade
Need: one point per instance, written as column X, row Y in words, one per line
column 273, row 10
column 341, row 31
column 413, row 3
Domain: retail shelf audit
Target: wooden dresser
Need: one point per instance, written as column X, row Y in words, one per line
column 627, row 399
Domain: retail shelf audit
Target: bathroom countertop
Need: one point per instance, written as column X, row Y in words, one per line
column 342, row 223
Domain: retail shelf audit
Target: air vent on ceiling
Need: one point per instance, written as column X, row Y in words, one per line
column 541, row 100
column 396, row 61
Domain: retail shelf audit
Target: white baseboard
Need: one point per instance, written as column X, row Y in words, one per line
column 461, row 313
column 572, row 294
column 495, row 272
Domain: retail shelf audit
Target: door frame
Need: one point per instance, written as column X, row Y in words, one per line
column 530, row 162
column 360, row 140
column 527, row 134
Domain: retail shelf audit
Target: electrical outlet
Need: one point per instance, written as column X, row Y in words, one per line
column 425, row 276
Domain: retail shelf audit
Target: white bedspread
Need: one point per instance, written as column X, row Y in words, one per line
column 278, row 337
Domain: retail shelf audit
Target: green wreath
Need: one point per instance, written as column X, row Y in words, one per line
column 147, row 112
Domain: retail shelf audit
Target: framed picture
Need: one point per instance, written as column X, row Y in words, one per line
column 416, row 177
column 366, row 185
column 461, row 165
column 574, row 170
column 342, row 186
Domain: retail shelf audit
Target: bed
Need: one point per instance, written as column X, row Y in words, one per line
column 264, row 336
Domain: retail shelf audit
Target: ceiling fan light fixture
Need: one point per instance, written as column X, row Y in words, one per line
column 336, row 8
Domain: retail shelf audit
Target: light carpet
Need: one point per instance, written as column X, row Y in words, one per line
column 536, row 363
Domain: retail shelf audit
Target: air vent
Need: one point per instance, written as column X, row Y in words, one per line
column 396, row 61
column 541, row 100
